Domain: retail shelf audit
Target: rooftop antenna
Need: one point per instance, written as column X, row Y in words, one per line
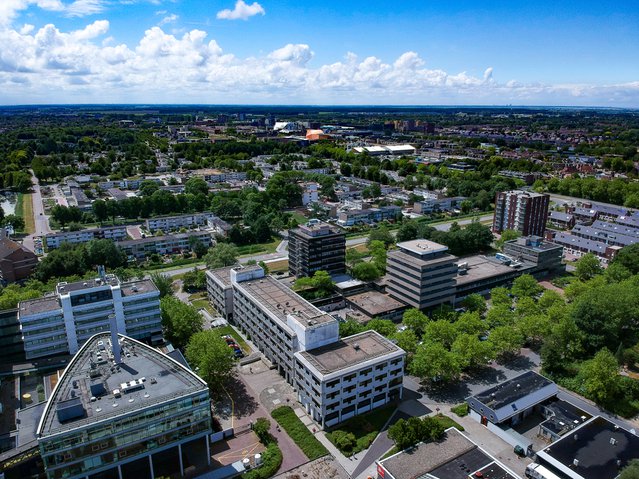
column 115, row 342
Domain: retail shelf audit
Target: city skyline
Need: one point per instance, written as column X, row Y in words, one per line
column 362, row 53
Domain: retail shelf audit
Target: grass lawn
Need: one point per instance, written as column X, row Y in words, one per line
column 448, row 422
column 365, row 428
column 300, row 218
column 393, row 450
column 24, row 208
column 223, row 330
column 260, row 248
column 177, row 264
column 299, row 433
column 360, row 248
column 278, row 266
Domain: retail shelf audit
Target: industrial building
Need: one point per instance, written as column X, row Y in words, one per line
column 521, row 211
column 315, row 247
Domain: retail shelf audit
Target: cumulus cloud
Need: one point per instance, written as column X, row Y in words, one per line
column 242, row 11
column 46, row 65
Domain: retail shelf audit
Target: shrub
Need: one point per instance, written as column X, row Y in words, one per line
column 272, row 460
column 299, row 433
column 345, row 441
column 461, row 409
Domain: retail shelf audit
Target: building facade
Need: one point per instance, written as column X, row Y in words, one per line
column 546, row 256
column 369, row 216
column 115, row 233
column 316, row 247
column 143, row 416
column 521, row 211
column 349, row 377
column 165, row 244
column 60, row 323
column 168, row 223
column 421, row 274
column 16, row 261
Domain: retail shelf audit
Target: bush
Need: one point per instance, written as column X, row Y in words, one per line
column 345, row 441
column 272, row 460
column 299, row 433
column 261, row 427
column 461, row 409
column 364, row 429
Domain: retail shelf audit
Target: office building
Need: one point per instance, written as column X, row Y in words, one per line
column 121, row 409
column 315, row 247
column 421, row 274
column 546, row 256
column 61, row 322
column 348, row 377
column 302, row 342
column 522, row 211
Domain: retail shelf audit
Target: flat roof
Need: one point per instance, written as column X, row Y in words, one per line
column 410, row 259
column 161, row 378
column 453, row 457
column 534, row 243
column 596, row 446
column 483, row 267
column 282, row 301
column 350, row 351
column 40, row 305
column 109, row 280
column 223, row 274
column 422, row 246
column 318, row 230
column 512, row 390
column 374, row 303
column 137, row 287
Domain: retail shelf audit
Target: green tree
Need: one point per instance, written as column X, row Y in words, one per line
column 441, row 331
column 262, row 427
column 600, row 377
column 506, row 340
column 587, row 267
column 17, row 222
column 526, row 285
column 197, row 246
column 211, row 357
column 500, row 296
column 432, row 361
column 221, row 255
column 475, row 302
column 104, row 252
column 470, row 323
column 180, row 320
column 194, row 280
column 195, row 185
column 345, row 441
column 320, row 284
column 163, row 283
column 628, row 256
column 366, row 271
column 415, row 320
column 507, row 235
column 350, row 327
column 407, row 340
column 407, row 231
column 382, row 234
column 100, row 210
column 385, row 327
column 631, row 471
column 471, row 352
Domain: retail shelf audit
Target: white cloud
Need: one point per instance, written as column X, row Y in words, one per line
column 82, row 8
column 9, row 8
column 242, row 11
column 47, row 65
column 168, row 19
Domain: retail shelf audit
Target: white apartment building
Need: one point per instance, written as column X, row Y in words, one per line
column 115, row 233
column 349, row 377
column 336, row 378
column 62, row 322
column 166, row 244
column 168, row 223
column 310, row 193
column 220, row 289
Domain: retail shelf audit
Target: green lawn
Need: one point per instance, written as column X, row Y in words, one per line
column 300, row 218
column 24, row 209
column 365, row 428
column 448, row 422
column 224, row 330
column 260, row 248
column 299, row 433
column 461, row 409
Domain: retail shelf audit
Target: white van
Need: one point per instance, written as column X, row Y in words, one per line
column 537, row 471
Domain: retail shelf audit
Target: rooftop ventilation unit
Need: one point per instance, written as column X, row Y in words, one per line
column 356, row 346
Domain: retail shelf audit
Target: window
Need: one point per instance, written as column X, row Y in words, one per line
column 364, row 372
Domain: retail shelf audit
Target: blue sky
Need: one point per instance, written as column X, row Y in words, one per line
column 374, row 52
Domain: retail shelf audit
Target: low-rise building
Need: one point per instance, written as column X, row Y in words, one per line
column 369, row 216
column 561, row 220
column 218, row 176
column 453, row 457
column 114, row 233
column 165, row 244
column 16, row 261
column 578, row 246
column 348, row 377
column 544, row 255
column 61, row 322
column 435, row 202
column 376, row 305
column 168, row 223
column 310, row 193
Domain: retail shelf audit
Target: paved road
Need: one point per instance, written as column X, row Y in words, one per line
column 446, row 226
column 40, row 219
